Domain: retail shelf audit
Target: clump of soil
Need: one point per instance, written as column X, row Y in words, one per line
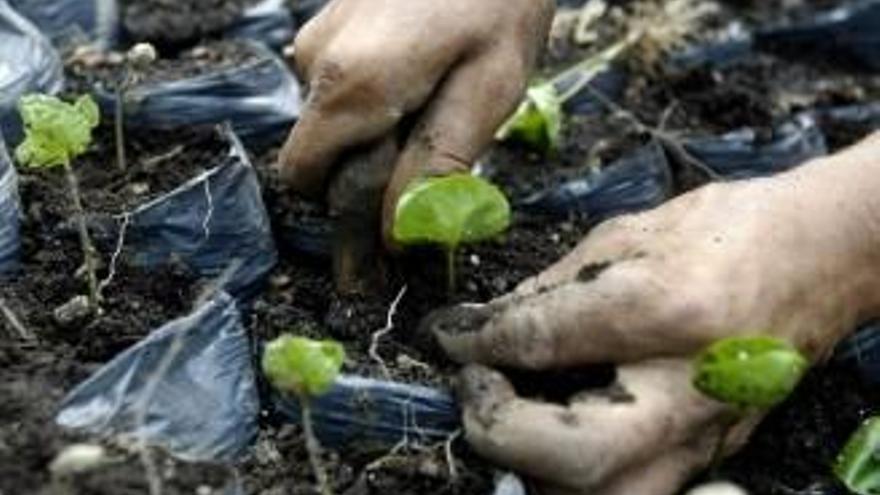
column 179, row 22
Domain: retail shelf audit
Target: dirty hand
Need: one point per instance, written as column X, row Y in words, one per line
column 453, row 70
column 796, row 256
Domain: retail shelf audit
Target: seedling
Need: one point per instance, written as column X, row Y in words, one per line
column 56, row 133
column 137, row 58
column 749, row 373
column 449, row 211
column 306, row 369
column 858, row 466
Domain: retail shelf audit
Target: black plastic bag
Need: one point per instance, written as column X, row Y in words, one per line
column 862, row 350
column 10, row 240
column 636, row 181
column 74, row 21
column 260, row 99
column 269, row 22
column 212, row 222
column 745, row 153
column 28, row 64
column 377, row 413
column 203, row 407
column 303, row 10
column 847, row 36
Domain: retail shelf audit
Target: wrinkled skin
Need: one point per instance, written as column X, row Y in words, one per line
column 452, row 70
column 795, row 256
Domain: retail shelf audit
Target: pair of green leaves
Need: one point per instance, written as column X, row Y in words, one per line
column 56, row 132
column 858, row 465
column 749, row 372
column 301, row 366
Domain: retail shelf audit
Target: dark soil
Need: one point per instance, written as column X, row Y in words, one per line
column 789, row 453
column 175, row 23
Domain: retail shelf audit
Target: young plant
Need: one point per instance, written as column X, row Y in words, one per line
column 449, row 211
column 858, row 466
column 748, row 373
column 306, row 369
column 56, row 133
column 139, row 57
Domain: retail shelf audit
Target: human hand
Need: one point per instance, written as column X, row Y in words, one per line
column 794, row 256
column 453, row 70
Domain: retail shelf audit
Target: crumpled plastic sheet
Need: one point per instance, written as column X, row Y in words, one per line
column 205, row 407
column 213, row 222
column 610, row 83
column 260, row 99
column 10, row 210
column 862, row 350
column 28, row 64
column 378, row 413
column 744, row 153
column 847, row 35
column 865, row 115
column 269, row 22
column 636, row 181
column 74, row 21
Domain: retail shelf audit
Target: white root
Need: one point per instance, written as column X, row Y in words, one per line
column 379, row 334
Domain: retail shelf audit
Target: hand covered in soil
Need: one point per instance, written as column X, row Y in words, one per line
column 796, row 256
column 436, row 79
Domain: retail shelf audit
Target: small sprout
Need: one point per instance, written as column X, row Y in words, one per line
column 449, row 211
column 306, row 369
column 137, row 59
column 538, row 120
column 56, row 133
column 749, row 372
column 858, row 465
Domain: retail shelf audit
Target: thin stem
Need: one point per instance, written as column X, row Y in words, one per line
column 723, row 436
column 119, row 119
column 313, row 447
column 90, row 255
column 585, row 71
column 450, row 271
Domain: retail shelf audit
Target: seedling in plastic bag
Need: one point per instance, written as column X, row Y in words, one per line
column 306, row 369
column 449, row 211
column 749, row 373
column 56, row 133
column 858, row 466
column 139, row 57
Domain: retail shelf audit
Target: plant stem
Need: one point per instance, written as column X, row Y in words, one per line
column 119, row 128
column 313, row 447
column 450, row 271
column 723, row 435
column 90, row 255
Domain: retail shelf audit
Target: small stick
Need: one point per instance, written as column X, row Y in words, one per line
column 14, row 321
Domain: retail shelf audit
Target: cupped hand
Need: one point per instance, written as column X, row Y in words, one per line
column 796, row 256
column 452, row 70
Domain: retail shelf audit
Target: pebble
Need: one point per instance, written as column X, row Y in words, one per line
column 280, row 281
column 78, row 458
column 718, row 488
column 74, row 310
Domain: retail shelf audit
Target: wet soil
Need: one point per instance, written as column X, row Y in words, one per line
column 177, row 23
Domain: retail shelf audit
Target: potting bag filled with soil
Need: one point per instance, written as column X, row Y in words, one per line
column 256, row 93
column 28, row 64
column 69, row 22
column 9, row 213
column 216, row 223
column 188, row 387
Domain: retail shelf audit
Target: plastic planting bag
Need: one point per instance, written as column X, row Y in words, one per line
column 261, row 99
column 188, row 387
column 10, row 241
column 215, row 223
column 269, row 22
column 28, row 64
column 377, row 413
column 743, row 153
column 74, row 21
column 636, row 181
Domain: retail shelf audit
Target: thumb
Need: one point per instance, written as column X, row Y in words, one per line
column 460, row 123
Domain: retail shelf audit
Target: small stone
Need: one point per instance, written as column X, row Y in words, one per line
column 78, row 458
column 555, row 238
column 139, row 188
column 204, row 490
column 141, row 55
column 280, row 281
column 77, row 309
column 718, row 488
column 474, row 260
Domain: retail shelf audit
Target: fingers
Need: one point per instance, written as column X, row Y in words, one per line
column 591, row 442
column 460, row 121
column 628, row 311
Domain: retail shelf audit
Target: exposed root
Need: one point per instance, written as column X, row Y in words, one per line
column 114, row 258
column 389, row 326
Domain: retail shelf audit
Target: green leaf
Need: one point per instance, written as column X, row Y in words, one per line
column 538, row 120
column 56, row 132
column 749, row 371
column 302, row 366
column 858, row 464
column 449, row 211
